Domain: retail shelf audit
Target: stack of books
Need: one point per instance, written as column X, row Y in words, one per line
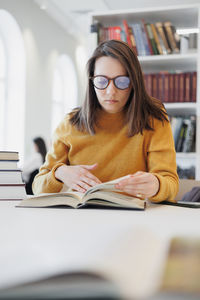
column 12, row 186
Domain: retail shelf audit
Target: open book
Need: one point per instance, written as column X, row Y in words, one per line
column 104, row 194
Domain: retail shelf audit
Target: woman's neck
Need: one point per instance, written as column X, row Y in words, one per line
column 110, row 121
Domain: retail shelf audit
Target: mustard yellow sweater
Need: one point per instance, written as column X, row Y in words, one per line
column 116, row 154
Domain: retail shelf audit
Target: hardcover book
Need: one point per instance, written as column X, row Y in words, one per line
column 12, row 191
column 161, row 31
column 8, row 164
column 10, row 176
column 9, row 155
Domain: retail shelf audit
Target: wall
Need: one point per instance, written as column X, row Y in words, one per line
column 44, row 41
column 137, row 4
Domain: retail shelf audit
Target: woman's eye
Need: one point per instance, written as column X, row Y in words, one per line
column 102, row 80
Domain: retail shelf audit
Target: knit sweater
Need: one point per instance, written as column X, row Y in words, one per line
column 116, row 154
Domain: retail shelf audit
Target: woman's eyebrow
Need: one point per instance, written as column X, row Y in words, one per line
column 109, row 76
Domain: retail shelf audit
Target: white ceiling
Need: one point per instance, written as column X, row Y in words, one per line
column 72, row 15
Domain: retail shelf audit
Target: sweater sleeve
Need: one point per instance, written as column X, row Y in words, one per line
column 161, row 161
column 45, row 181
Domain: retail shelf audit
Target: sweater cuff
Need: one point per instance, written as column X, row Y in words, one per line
column 55, row 183
column 165, row 190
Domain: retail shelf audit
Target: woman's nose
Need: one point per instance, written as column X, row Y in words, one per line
column 111, row 88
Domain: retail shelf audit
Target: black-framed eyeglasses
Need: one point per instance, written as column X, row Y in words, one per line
column 101, row 82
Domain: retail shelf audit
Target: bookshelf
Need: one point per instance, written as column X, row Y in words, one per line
column 181, row 16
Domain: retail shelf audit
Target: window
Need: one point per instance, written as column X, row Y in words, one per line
column 81, row 61
column 12, row 84
column 3, row 85
column 64, row 90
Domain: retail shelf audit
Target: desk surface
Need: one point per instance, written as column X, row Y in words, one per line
column 36, row 242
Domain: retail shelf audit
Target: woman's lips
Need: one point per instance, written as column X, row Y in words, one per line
column 112, row 101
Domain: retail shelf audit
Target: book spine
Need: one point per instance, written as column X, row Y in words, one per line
column 156, row 38
column 176, row 87
column 166, row 87
column 149, row 84
column 147, row 37
column 161, row 31
column 12, row 184
column 133, row 42
column 160, row 85
column 152, row 40
column 193, row 86
column 190, row 135
column 137, row 40
column 181, row 87
column 109, row 33
column 117, row 32
column 187, row 87
column 127, row 32
column 101, row 34
column 155, row 85
column 177, row 130
column 182, row 136
column 123, row 36
column 139, row 34
column 171, row 38
column 171, row 87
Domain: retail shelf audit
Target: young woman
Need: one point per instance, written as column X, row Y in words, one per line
column 119, row 130
column 34, row 162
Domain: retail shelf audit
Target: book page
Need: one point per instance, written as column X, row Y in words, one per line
column 71, row 199
column 109, row 185
column 107, row 198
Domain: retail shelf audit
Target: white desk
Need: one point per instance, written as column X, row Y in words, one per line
column 128, row 246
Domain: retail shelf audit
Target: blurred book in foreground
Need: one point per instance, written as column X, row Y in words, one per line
column 181, row 277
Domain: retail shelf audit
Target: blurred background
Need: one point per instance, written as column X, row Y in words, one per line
column 44, row 47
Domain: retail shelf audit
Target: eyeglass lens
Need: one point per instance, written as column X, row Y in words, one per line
column 121, row 82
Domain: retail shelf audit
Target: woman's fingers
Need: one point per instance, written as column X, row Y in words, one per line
column 134, row 179
column 89, row 177
column 81, row 186
column 90, row 180
column 77, row 177
column 89, row 167
column 140, row 184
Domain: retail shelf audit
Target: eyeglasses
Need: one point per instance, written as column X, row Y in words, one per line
column 101, row 82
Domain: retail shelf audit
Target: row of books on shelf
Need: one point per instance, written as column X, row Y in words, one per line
column 184, row 132
column 144, row 37
column 186, row 173
column 172, row 86
column 12, row 186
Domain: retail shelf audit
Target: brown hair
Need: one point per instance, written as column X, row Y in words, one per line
column 41, row 146
column 140, row 107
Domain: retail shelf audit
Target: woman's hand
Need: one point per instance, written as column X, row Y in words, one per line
column 140, row 184
column 79, row 177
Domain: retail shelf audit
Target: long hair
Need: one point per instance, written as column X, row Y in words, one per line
column 140, row 108
column 41, row 146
